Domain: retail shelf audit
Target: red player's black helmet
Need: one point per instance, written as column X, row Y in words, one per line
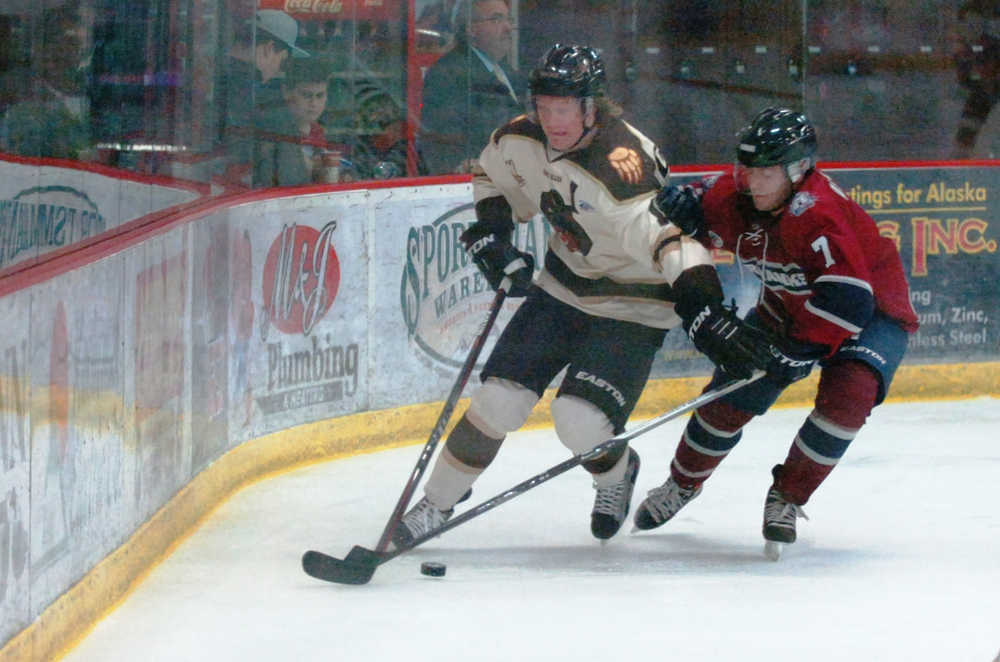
column 778, row 136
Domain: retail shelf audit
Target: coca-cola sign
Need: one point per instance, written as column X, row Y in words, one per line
column 314, row 6
column 351, row 9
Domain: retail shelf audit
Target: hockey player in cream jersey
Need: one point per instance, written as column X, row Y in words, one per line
column 614, row 281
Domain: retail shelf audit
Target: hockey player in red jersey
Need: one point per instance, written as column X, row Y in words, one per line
column 614, row 281
column 834, row 292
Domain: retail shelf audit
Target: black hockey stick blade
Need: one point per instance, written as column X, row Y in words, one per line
column 356, row 568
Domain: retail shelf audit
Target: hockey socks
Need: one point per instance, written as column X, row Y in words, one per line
column 710, row 434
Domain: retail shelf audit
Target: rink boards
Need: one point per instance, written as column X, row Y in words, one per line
column 147, row 378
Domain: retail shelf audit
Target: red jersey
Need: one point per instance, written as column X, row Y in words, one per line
column 824, row 266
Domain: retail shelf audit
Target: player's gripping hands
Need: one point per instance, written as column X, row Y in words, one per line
column 497, row 258
column 790, row 360
column 680, row 205
column 739, row 348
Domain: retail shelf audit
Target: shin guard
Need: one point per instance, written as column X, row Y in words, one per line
column 846, row 396
column 710, row 434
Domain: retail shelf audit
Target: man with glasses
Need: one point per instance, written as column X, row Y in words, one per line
column 471, row 90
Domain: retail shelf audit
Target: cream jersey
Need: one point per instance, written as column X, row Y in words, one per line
column 608, row 256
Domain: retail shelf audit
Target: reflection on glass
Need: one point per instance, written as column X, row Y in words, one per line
column 188, row 90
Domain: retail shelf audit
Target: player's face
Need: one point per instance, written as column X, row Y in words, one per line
column 769, row 186
column 562, row 120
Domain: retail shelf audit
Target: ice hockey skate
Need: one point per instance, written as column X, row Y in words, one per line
column 662, row 503
column 611, row 504
column 779, row 519
column 420, row 519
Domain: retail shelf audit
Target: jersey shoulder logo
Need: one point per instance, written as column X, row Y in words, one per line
column 801, row 202
column 627, row 164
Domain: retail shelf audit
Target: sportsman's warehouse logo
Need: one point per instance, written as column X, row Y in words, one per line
column 46, row 217
column 443, row 296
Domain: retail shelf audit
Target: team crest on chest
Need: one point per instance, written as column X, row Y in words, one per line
column 627, row 164
column 561, row 217
column 801, row 202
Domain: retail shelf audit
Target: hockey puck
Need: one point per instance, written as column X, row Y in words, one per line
column 432, row 569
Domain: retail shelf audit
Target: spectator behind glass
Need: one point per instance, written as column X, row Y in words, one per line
column 435, row 23
column 251, row 83
column 471, row 90
column 977, row 60
column 292, row 141
column 54, row 121
column 380, row 150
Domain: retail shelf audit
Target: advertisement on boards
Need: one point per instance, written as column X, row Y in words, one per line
column 45, row 207
column 432, row 297
column 944, row 222
column 160, row 319
column 15, row 477
column 80, row 491
column 304, row 359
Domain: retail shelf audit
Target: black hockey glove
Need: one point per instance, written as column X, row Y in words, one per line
column 730, row 343
column 497, row 258
column 680, row 205
column 791, row 361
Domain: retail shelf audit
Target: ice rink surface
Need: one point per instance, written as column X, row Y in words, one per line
column 900, row 560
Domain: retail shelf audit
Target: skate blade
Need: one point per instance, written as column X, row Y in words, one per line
column 772, row 550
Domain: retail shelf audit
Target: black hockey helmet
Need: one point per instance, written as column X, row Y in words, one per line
column 568, row 71
column 778, row 136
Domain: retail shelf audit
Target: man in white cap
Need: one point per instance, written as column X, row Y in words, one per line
column 276, row 36
column 259, row 52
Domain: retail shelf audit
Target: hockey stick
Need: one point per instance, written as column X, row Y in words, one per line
column 360, row 563
column 443, row 418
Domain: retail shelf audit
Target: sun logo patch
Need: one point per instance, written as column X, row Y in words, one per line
column 627, row 164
